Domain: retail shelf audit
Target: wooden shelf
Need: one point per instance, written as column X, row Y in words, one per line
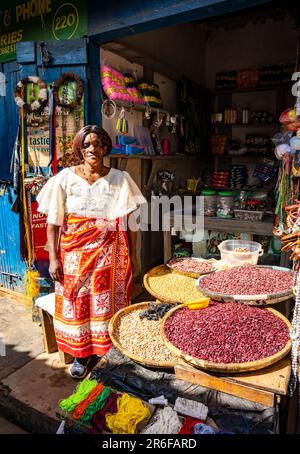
column 248, row 90
column 264, row 227
column 246, row 155
column 138, row 107
column 153, row 157
column 238, row 125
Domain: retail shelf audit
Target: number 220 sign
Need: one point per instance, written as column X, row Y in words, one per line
column 65, row 21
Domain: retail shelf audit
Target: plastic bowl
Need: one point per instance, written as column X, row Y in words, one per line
column 237, row 258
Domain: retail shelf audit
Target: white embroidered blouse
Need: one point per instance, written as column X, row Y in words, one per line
column 110, row 197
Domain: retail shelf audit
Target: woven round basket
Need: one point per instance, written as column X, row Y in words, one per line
column 190, row 274
column 113, row 329
column 226, row 367
column 163, row 270
column 271, row 298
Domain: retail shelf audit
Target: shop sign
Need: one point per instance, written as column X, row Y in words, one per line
column 39, row 232
column 39, row 20
column 38, row 147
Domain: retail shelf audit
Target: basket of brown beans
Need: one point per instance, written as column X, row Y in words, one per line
column 248, row 283
column 227, row 337
column 190, row 266
column 135, row 331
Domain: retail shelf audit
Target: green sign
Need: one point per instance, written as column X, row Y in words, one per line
column 39, row 20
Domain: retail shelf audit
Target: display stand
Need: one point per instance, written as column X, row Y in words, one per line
column 237, row 414
column 222, row 225
column 263, row 386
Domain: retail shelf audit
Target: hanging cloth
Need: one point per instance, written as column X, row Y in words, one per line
column 31, row 286
column 52, row 132
column 15, row 170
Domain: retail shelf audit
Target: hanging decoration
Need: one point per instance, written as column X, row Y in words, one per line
column 38, row 102
column 31, row 286
column 73, row 97
column 287, row 223
column 108, row 109
column 68, row 93
column 147, row 113
column 122, row 123
column 295, row 336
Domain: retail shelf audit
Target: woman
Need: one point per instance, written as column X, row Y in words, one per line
column 89, row 251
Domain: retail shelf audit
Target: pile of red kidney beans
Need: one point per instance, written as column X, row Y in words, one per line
column 227, row 332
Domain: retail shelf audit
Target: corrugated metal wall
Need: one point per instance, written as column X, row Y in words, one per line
column 11, row 267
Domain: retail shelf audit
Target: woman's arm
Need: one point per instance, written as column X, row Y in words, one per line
column 55, row 266
column 132, row 239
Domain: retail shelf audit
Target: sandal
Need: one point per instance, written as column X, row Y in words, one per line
column 79, row 367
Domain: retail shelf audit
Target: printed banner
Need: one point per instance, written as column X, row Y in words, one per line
column 39, row 20
column 39, row 233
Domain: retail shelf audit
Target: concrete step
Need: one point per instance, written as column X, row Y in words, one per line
column 29, row 397
column 7, row 427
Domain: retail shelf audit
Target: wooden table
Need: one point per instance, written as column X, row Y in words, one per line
column 262, row 386
column 264, row 228
column 268, row 386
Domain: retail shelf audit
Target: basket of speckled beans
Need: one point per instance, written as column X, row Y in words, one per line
column 135, row 331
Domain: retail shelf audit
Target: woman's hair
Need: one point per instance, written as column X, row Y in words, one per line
column 81, row 135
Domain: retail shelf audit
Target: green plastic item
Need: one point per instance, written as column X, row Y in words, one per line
column 226, row 193
column 208, row 192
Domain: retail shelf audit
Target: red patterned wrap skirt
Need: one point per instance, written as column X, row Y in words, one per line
column 97, row 283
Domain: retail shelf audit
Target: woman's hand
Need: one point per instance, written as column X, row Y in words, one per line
column 56, row 269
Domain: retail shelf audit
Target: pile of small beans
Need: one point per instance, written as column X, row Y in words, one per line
column 141, row 337
column 174, row 287
column 248, row 280
column 227, row 332
column 189, row 265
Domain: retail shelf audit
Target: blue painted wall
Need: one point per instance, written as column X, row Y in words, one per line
column 11, row 267
column 71, row 56
column 8, row 118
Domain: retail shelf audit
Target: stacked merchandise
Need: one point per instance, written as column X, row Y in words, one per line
column 113, row 84
column 256, row 143
column 247, row 78
column 97, row 409
column 132, row 88
column 275, row 75
column 118, row 87
column 220, row 179
column 218, row 144
column 151, row 94
column 127, row 145
column 226, row 80
column 238, row 176
column 268, row 76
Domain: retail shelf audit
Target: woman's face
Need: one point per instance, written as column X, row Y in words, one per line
column 92, row 149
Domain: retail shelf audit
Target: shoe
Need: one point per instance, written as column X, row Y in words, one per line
column 79, row 367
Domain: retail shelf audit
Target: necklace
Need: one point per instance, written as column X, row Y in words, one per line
column 86, row 177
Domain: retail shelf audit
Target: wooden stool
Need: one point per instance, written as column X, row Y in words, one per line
column 46, row 307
